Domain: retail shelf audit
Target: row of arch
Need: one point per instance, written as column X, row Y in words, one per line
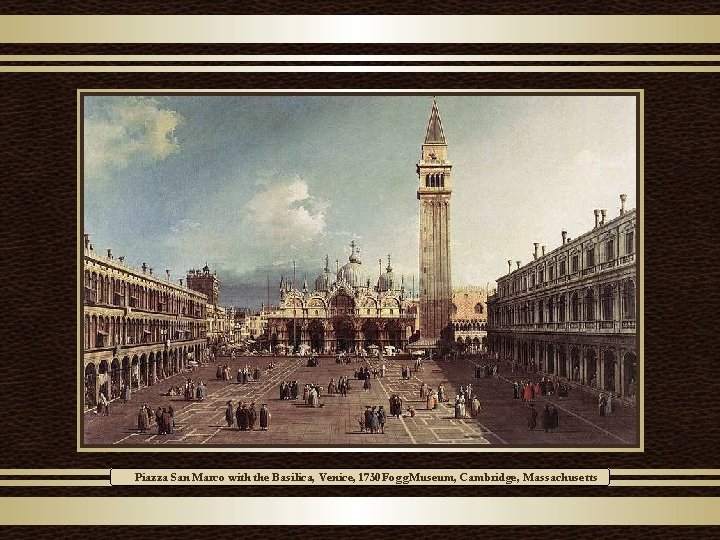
column 340, row 334
column 606, row 302
column 435, row 180
column 607, row 368
column 469, row 326
column 106, row 331
column 111, row 375
column 107, row 290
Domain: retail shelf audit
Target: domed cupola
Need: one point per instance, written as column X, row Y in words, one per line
column 351, row 273
column 326, row 280
column 387, row 281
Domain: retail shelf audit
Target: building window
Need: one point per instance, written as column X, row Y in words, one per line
column 541, row 276
column 629, row 300
column 541, row 311
column 630, row 242
column 610, row 250
column 607, row 303
column 575, row 261
column 590, row 305
column 561, row 308
column 590, row 257
column 551, row 307
column 551, row 273
column 479, row 308
column 563, row 267
column 575, row 307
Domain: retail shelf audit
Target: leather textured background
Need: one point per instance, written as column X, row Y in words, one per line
column 38, row 243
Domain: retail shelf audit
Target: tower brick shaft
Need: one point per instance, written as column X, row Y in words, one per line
column 434, row 190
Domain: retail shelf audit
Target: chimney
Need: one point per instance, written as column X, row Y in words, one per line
column 90, row 247
column 518, row 263
column 121, row 258
column 535, row 253
column 180, row 280
column 604, row 213
column 109, row 253
column 167, row 271
column 564, row 237
column 623, row 196
column 144, row 268
column 86, row 238
column 597, row 217
column 509, row 266
column 543, row 251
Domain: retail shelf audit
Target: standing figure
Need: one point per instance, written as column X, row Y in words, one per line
column 264, row 417
column 532, row 418
column 229, row 414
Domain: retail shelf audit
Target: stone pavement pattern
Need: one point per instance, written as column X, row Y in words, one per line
column 503, row 420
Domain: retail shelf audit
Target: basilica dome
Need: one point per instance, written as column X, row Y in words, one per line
column 352, row 273
column 387, row 281
column 326, row 280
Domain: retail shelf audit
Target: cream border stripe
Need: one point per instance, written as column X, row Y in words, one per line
column 360, row 58
column 359, row 69
column 360, row 29
column 54, row 472
column 344, row 511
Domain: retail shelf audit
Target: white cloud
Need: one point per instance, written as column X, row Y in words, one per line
column 122, row 131
column 285, row 215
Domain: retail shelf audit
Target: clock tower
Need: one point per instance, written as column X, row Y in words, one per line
column 434, row 174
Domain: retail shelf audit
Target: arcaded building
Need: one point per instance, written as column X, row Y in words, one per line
column 572, row 312
column 138, row 327
column 344, row 311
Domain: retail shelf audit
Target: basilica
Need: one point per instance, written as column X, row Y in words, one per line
column 345, row 311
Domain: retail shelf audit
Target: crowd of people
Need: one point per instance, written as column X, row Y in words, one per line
column 163, row 417
column 373, row 420
column 527, row 390
column 247, row 416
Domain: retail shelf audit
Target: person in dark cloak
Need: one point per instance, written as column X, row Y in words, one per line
column 546, row 419
column 229, row 414
column 532, row 418
column 252, row 417
column 264, row 417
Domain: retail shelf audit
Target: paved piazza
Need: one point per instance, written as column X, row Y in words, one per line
column 503, row 420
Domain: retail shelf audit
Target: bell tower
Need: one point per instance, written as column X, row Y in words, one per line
column 435, row 181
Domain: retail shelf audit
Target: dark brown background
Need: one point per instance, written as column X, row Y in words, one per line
column 38, row 249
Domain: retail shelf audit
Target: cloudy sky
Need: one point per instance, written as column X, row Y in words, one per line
column 250, row 183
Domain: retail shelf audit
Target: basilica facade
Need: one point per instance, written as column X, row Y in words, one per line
column 343, row 311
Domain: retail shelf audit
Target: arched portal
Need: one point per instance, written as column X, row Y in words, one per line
column 630, row 375
column 135, row 373
column 371, row 334
column 317, row 336
column 394, row 334
column 115, row 378
column 143, row 371
column 591, row 366
column 344, row 335
column 562, row 362
column 103, row 378
column 609, row 370
column 551, row 358
column 125, row 372
column 575, row 364
column 90, row 385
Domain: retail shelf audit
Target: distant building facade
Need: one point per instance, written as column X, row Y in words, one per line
column 138, row 328
column 343, row 312
column 572, row 312
column 469, row 317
